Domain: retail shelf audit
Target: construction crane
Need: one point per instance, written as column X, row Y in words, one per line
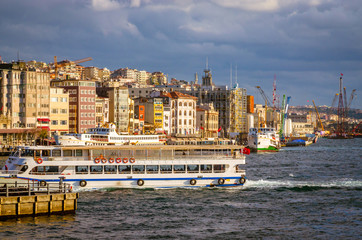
column 351, row 98
column 274, row 91
column 267, row 102
column 67, row 62
column 334, row 100
column 319, row 118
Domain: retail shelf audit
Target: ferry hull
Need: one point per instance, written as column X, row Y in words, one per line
column 157, row 182
column 269, row 149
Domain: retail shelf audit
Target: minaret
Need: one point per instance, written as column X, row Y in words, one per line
column 196, row 78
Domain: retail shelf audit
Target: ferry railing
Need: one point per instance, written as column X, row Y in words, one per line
column 9, row 172
column 33, row 188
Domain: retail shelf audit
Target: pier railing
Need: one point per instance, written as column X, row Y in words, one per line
column 33, row 188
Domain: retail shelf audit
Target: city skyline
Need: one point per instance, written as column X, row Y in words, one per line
column 306, row 44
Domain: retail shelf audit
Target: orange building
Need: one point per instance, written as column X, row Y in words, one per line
column 250, row 104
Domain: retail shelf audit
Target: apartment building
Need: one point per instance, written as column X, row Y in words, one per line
column 207, row 120
column 24, row 103
column 154, row 114
column 119, row 106
column 59, row 111
column 139, row 116
column 82, row 99
column 24, row 95
column 91, row 73
column 183, row 114
column 102, row 110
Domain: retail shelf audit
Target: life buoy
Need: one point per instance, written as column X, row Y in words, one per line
column 140, row 182
column 242, row 180
column 39, row 161
column 132, row 160
column 104, row 160
column 43, row 183
column 97, row 160
column 192, row 182
column 82, row 183
column 111, row 160
column 118, row 160
column 125, row 160
column 221, row 181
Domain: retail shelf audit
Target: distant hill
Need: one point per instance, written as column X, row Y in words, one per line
column 352, row 113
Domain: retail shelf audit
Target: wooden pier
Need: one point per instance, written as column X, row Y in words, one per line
column 33, row 200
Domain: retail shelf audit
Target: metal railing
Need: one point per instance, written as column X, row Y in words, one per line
column 33, row 188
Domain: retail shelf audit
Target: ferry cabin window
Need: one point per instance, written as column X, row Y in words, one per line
column 192, row 168
column 96, row 169
column 23, row 169
column 152, row 169
column 45, row 153
column 110, row 169
column 124, row 169
column 138, row 169
column 206, row 168
column 37, row 153
column 78, row 153
column 67, row 153
column 166, row 168
column 239, row 168
column 45, row 170
column 219, row 168
column 179, row 168
column 28, row 153
column 56, row 153
column 81, row 169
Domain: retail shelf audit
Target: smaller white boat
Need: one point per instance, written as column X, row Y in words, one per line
column 263, row 140
column 106, row 136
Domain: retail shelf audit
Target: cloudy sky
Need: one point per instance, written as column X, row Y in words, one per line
column 305, row 43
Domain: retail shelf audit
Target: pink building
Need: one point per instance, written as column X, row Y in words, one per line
column 82, row 102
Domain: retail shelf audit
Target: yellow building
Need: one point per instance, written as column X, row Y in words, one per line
column 59, row 111
column 154, row 113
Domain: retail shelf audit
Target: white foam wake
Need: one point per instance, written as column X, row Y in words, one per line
column 271, row 184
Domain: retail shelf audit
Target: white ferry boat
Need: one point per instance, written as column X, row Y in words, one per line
column 127, row 166
column 106, row 136
column 263, row 140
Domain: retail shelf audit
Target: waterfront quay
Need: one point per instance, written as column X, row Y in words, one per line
column 32, row 199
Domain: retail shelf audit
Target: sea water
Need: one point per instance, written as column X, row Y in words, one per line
column 309, row 192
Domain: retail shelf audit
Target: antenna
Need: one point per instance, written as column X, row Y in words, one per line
column 236, row 76
column 231, row 75
column 18, row 56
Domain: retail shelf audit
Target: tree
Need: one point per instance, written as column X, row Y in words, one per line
column 43, row 135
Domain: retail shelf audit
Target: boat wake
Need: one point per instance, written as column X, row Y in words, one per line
column 303, row 185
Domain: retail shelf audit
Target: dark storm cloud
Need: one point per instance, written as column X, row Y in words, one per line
column 306, row 43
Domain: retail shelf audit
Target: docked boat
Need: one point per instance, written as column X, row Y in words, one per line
column 263, row 140
column 106, row 136
column 93, row 167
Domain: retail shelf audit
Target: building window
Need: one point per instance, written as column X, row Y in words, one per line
column 63, row 122
column 54, row 99
column 54, row 122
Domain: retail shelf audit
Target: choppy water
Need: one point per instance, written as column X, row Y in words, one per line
column 298, row 193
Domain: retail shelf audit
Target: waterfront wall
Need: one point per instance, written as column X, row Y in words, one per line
column 38, row 204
